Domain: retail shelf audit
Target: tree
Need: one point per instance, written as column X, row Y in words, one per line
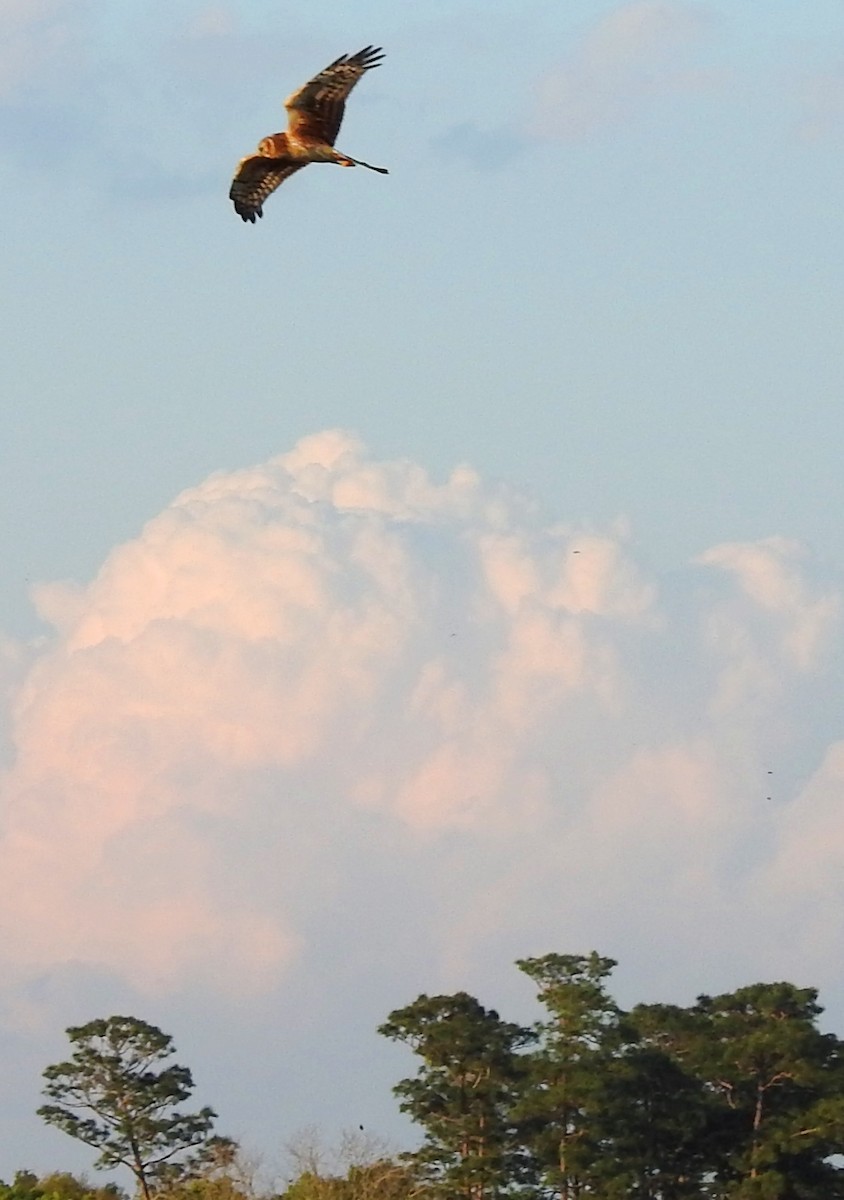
column 561, row 1107
column 60, row 1185
column 224, row 1173
column 463, row 1094
column 649, row 1121
column 114, row 1095
column 737, row 1097
column 774, row 1084
column 361, row 1167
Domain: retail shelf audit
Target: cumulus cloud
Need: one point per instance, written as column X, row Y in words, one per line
column 638, row 51
column 768, row 573
column 312, row 667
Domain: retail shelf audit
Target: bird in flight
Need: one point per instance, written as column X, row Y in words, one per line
column 314, row 114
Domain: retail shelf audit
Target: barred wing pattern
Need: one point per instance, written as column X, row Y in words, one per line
column 316, row 110
column 258, row 177
column 314, row 115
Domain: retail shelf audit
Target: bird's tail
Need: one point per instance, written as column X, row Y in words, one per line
column 347, row 161
column 369, row 166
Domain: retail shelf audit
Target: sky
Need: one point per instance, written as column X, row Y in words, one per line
column 447, row 569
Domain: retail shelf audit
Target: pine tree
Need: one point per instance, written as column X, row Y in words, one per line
column 462, row 1095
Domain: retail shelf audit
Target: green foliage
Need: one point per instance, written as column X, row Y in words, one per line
column 737, row 1097
column 60, row 1185
column 561, row 1105
column 114, row 1094
column 774, row 1086
column 385, row 1179
column 359, row 1167
column 463, row 1095
column 217, row 1173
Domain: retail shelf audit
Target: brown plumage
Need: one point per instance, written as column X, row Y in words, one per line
column 314, row 114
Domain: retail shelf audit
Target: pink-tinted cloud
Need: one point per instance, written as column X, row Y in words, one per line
column 313, row 667
column 776, row 621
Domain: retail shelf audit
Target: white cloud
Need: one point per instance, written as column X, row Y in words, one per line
column 775, row 626
column 768, row 575
column 639, row 50
column 326, row 663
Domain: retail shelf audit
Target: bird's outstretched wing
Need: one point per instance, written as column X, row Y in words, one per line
column 316, row 110
column 255, row 178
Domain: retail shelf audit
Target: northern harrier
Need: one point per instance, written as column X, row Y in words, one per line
column 313, row 122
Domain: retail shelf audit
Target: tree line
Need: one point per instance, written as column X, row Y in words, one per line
column 736, row 1097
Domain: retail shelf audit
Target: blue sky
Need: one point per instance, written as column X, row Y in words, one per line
column 595, row 307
